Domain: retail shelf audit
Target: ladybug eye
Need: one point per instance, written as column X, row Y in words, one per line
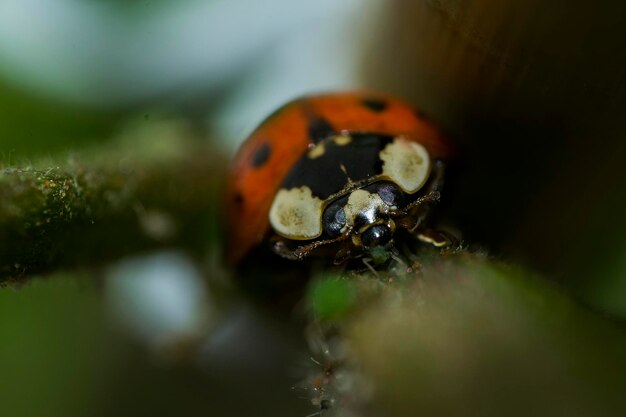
column 391, row 195
column 334, row 219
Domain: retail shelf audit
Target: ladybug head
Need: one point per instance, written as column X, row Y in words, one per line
column 366, row 215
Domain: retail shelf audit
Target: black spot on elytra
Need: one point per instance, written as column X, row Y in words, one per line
column 238, row 199
column 319, row 129
column 420, row 114
column 374, row 104
column 261, row 155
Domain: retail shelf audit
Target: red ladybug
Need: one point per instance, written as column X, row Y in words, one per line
column 334, row 174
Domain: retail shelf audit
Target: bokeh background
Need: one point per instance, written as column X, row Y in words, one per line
column 532, row 92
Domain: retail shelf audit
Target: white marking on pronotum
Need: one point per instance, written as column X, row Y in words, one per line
column 342, row 140
column 406, row 163
column 320, row 149
column 317, row 151
column 296, row 214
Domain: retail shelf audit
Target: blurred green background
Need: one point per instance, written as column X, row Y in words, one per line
column 532, row 92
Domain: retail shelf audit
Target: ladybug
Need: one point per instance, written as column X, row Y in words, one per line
column 335, row 175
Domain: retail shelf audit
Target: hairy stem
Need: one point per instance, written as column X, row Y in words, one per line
column 89, row 209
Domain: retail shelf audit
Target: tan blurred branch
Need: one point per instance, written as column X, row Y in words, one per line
column 464, row 335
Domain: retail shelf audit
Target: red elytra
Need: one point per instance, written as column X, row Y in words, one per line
column 269, row 153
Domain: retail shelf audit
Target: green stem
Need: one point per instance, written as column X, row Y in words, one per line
column 93, row 209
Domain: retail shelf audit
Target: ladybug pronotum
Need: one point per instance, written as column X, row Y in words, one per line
column 335, row 175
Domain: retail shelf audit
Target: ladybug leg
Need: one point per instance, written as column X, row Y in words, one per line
column 421, row 203
column 437, row 176
column 280, row 247
column 413, row 216
column 342, row 256
column 414, row 224
column 437, row 238
column 366, row 262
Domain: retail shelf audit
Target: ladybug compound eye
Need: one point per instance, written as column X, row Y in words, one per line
column 377, row 235
column 391, row 195
column 334, row 219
